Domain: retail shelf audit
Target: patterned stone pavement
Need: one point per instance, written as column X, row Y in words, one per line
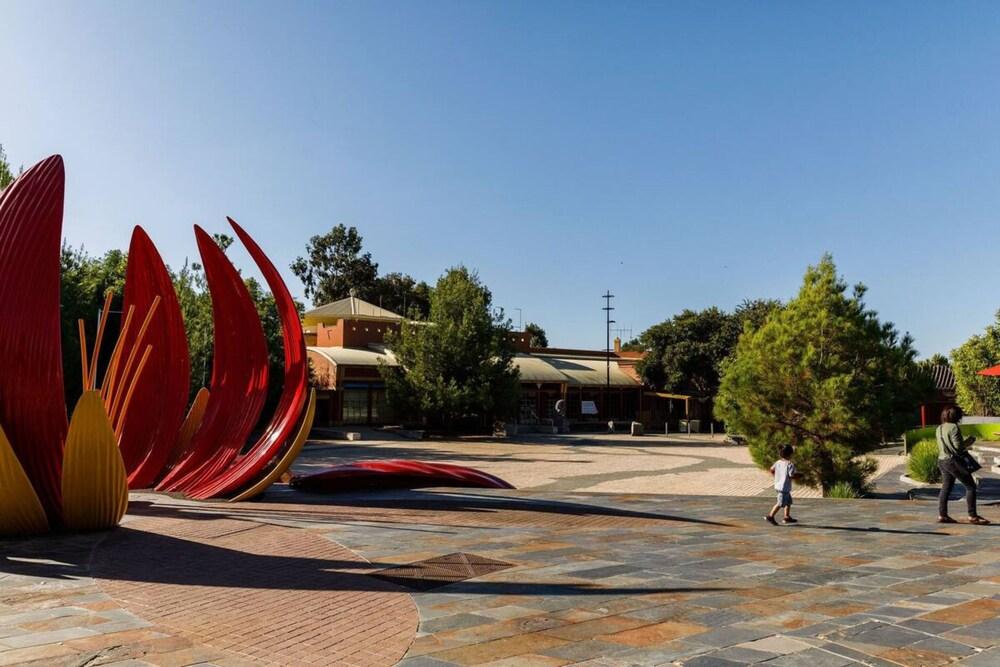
column 573, row 579
column 640, row 580
column 698, row 464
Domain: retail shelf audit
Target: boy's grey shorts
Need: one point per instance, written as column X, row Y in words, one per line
column 785, row 498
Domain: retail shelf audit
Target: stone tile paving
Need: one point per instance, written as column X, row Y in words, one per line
column 597, row 462
column 690, row 580
column 604, row 580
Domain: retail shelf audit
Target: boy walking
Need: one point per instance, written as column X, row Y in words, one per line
column 784, row 472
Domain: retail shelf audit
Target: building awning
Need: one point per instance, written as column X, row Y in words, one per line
column 572, row 371
column 661, row 394
column 993, row 371
column 354, row 356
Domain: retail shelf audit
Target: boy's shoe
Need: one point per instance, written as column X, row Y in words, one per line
column 789, row 520
column 770, row 520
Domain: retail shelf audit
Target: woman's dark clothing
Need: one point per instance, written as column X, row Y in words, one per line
column 950, row 470
column 950, row 442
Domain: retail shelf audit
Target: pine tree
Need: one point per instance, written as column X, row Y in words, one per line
column 825, row 375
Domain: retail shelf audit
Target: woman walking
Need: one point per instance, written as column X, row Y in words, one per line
column 951, row 447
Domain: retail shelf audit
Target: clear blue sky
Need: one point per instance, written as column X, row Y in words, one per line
column 680, row 154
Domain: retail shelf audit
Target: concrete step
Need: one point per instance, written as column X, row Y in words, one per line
column 987, row 449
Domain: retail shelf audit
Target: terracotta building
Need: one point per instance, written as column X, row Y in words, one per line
column 346, row 344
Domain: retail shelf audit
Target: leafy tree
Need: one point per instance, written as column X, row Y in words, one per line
column 401, row 294
column 754, row 313
column 633, row 345
column 335, row 265
column 455, row 370
column 686, row 352
column 978, row 394
column 6, row 174
column 538, row 337
column 825, row 375
column 936, row 359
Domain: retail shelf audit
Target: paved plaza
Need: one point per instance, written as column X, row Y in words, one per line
column 551, row 574
column 594, row 463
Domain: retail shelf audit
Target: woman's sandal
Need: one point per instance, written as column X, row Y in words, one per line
column 946, row 519
column 979, row 521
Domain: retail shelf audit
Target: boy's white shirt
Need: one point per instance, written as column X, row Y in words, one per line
column 784, row 471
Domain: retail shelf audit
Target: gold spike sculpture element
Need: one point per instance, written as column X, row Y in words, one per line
column 94, row 484
column 190, row 426
column 22, row 511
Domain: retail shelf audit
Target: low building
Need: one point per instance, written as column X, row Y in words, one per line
column 346, row 344
column 585, row 379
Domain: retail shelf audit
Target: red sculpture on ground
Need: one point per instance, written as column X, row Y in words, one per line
column 32, row 404
column 396, row 474
column 151, row 424
column 293, row 395
column 239, row 374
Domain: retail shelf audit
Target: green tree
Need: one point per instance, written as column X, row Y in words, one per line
column 538, row 337
column 936, row 359
column 825, row 375
column 334, row 265
column 401, row 294
column 978, row 394
column 456, row 370
column 7, row 175
column 634, row 345
column 753, row 313
column 685, row 353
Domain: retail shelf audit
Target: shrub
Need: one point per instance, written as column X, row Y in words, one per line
column 923, row 463
column 843, row 490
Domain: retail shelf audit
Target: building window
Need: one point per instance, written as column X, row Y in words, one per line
column 355, row 406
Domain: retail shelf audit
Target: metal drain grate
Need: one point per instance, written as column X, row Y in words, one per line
column 441, row 571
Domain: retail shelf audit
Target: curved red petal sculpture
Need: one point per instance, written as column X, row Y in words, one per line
column 32, row 403
column 396, row 474
column 239, row 374
column 248, row 467
column 151, row 424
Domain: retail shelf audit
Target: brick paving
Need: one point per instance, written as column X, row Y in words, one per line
column 265, row 593
column 169, row 590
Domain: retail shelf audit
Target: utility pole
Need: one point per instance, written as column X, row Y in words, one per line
column 607, row 350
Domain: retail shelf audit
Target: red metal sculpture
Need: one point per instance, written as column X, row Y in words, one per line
column 293, row 396
column 395, row 474
column 32, row 403
column 134, row 424
column 151, row 424
column 239, row 374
